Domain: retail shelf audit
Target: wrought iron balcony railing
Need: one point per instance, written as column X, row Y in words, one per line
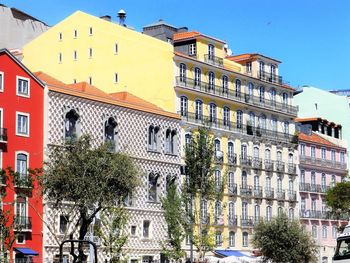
column 232, row 159
column 219, row 156
column 232, row 220
column 216, row 61
column 269, row 193
column 234, row 95
column 3, row 135
column 22, row 223
column 280, row 195
column 246, row 160
column 256, row 163
column 205, row 219
column 292, row 168
column 257, row 192
column 304, row 187
column 270, row 77
column 268, row 165
column 247, row 221
column 292, row 195
column 22, row 180
column 246, row 190
column 322, row 162
column 279, row 166
column 232, row 189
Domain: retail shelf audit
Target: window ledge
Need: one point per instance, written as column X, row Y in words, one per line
column 153, row 202
column 153, row 151
column 170, row 154
column 146, row 239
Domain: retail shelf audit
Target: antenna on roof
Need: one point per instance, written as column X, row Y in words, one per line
column 122, row 17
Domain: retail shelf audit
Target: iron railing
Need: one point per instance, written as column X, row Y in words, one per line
column 216, row 61
column 3, row 135
column 22, row 223
column 322, row 162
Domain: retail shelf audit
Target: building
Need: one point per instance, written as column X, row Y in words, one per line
column 147, row 133
column 323, row 163
column 18, row 28
column 21, row 147
column 107, row 55
column 250, row 112
column 320, row 103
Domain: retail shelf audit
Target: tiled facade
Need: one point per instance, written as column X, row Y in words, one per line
column 132, row 138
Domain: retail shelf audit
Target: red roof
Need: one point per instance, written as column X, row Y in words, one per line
column 317, row 139
column 192, row 35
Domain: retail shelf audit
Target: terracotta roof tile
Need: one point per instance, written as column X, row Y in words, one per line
column 84, row 90
column 314, row 138
column 191, row 35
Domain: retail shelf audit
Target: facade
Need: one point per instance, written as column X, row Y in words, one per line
column 18, row 28
column 144, row 131
column 112, row 57
column 314, row 102
column 21, row 147
column 323, row 163
column 250, row 112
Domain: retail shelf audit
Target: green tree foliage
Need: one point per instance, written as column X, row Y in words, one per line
column 284, row 240
column 112, row 232
column 6, row 238
column 90, row 179
column 176, row 221
column 338, row 198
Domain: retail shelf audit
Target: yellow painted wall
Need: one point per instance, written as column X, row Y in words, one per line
column 144, row 64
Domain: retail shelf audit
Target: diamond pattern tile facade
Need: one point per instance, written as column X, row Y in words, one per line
column 132, row 138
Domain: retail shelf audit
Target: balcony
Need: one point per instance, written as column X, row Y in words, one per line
column 292, row 196
column 213, row 60
column 269, row 193
column 232, row 159
column 257, row 220
column 247, row 221
column 256, row 163
column 324, row 188
column 22, row 180
column 322, row 162
column 205, row 220
column 316, row 188
column 268, row 165
column 292, row 168
column 218, row 221
column 22, row 223
column 246, row 191
column 270, row 77
column 246, row 161
column 240, row 128
column 232, row 220
column 95, row 239
column 3, row 135
column 280, row 195
column 258, row 192
column 239, row 97
column 279, row 166
column 304, row 187
column 232, row 189
column 219, row 157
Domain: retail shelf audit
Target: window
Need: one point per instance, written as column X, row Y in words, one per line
column 72, row 125
column 261, row 69
column 248, row 67
column 342, row 156
column 257, row 213
column 262, row 94
column 323, row 153
column 313, row 204
column 21, row 219
column 22, row 124
column 153, row 133
column 75, row 33
column 224, row 84
column 217, row 175
column 273, row 97
column 133, row 230
column 218, row 238
column 90, row 52
column 302, row 176
column 231, row 180
column 211, row 52
column 231, row 211
column 268, row 213
column 115, row 77
column 313, row 151
column 231, row 239
column 226, row 119
column 334, row 231
column 323, row 180
column 211, row 77
column 187, row 139
column 239, row 120
column 250, row 89
column 256, row 182
column 291, row 214
column 333, row 155
column 274, row 125
column 244, row 210
column 184, row 106
column 170, row 141
column 199, row 110
column 182, row 72
column 324, row 206
column 75, row 55
column 279, row 156
column 64, row 220
column 60, row 36
column 302, row 204
column 204, row 210
column 273, row 73
column 279, row 211
column 230, row 150
column 212, row 112
column 90, row 31
column 279, row 184
column 244, row 151
column 313, row 178
column 23, row 87
column 285, row 99
column 115, row 48
column 110, row 133
column 252, row 119
column 153, row 187
column 1, row 81
column 302, row 149
column 238, row 88
column 22, row 168
column 60, row 57
column 146, row 229
column 21, row 239
column 286, row 127
column 245, row 239
column 268, row 154
column 324, row 232
column 333, row 181
column 90, row 80
column 314, row 231
column 262, row 122
column 192, row 49
column 197, row 77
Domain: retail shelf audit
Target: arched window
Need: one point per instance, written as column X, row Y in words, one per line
column 211, row 77
column 239, row 120
column 21, row 169
column 238, row 88
column 72, row 125
column 230, row 151
column 197, row 77
column 204, row 211
column 184, row 106
column 231, row 180
column 226, row 119
column 231, row 238
column 268, row 213
column 224, row 84
column 273, row 97
column 212, row 113
column 262, row 121
column 187, row 139
column 244, row 180
column 199, row 110
column 279, row 184
column 153, row 138
column 217, row 210
column 285, row 99
column 252, row 119
column 262, row 94
column 170, row 141
column 110, row 133
column 152, row 187
column 250, row 89
column 218, row 238
column 279, row 211
column 182, row 72
column 217, row 175
column 245, row 239
column 231, row 211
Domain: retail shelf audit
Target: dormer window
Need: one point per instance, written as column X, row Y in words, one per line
column 261, row 69
column 211, row 52
column 248, row 67
column 192, row 49
column 273, row 73
column 72, row 125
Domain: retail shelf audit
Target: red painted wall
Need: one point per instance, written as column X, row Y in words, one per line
column 33, row 145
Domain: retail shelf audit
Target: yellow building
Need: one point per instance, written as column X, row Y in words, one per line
column 83, row 47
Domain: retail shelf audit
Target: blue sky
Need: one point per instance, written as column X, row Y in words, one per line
column 310, row 37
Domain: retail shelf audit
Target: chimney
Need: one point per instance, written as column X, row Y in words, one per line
column 107, row 18
column 122, row 17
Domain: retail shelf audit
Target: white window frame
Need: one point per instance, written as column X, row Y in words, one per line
column 302, row 149
column 28, row 124
column 15, row 206
column 2, row 81
column 24, row 238
column 311, row 151
column 323, row 153
column 342, row 157
column 324, row 232
column 25, row 153
column 149, row 229
column 192, row 49
column 18, row 78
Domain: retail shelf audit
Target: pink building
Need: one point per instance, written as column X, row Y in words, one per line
column 323, row 163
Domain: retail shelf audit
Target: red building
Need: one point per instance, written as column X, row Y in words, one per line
column 21, row 147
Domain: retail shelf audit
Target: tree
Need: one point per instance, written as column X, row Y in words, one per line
column 6, row 237
column 284, row 240
column 199, row 186
column 176, row 222
column 89, row 179
column 338, row 198
column 111, row 231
